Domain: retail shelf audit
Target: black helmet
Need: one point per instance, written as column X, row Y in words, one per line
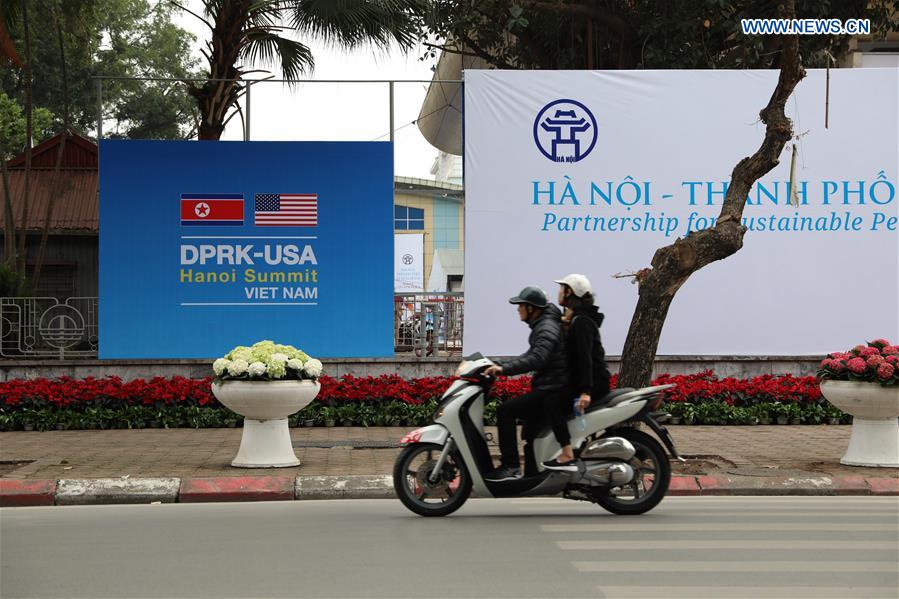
column 530, row 295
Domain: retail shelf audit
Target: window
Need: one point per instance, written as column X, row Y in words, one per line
column 408, row 219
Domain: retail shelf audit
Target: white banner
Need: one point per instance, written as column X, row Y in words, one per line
column 591, row 172
column 408, row 262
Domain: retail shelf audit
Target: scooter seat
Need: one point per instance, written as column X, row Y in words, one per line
column 612, row 399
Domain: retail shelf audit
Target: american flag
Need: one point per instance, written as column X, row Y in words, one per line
column 286, row 210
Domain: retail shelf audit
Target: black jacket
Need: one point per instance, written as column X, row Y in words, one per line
column 546, row 355
column 586, row 355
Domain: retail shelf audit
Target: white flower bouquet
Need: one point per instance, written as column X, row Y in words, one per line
column 267, row 361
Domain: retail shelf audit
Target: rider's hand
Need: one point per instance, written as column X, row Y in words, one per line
column 583, row 402
column 494, row 371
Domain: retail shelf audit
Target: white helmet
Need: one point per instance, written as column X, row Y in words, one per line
column 579, row 284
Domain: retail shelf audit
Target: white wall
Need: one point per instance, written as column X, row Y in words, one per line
column 784, row 293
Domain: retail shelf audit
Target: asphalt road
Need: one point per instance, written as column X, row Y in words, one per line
column 688, row 547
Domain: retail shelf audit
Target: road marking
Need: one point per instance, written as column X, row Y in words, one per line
column 796, row 499
column 886, row 510
column 650, row 526
column 885, row 513
column 725, row 544
column 834, row 567
column 804, row 592
column 797, row 513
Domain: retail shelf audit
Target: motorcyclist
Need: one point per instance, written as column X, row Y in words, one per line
column 546, row 358
column 590, row 377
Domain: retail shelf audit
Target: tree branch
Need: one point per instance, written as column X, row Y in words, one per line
column 672, row 265
column 480, row 53
column 449, row 50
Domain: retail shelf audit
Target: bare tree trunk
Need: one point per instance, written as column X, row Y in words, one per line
column 9, row 241
column 57, row 177
column 28, row 134
column 672, row 265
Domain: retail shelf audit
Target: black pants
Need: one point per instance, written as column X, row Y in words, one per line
column 559, row 408
column 530, row 407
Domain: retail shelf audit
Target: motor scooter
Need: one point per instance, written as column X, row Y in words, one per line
column 624, row 470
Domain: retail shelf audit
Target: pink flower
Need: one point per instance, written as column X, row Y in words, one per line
column 885, row 371
column 825, row 363
column 836, row 366
column 880, row 343
column 857, row 349
column 857, row 365
column 874, row 361
column 890, row 350
column 892, row 360
column 867, row 352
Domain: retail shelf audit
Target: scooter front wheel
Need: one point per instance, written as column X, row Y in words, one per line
column 412, row 480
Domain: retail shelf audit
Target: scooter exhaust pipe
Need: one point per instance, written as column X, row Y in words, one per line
column 609, row 448
column 605, row 473
column 606, row 459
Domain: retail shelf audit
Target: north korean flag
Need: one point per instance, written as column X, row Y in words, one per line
column 211, row 209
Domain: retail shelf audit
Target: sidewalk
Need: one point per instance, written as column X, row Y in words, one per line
column 720, row 459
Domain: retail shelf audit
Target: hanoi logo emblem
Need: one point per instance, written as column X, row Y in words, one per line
column 565, row 131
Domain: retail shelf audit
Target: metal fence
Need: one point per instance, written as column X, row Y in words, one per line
column 32, row 327
column 424, row 324
column 428, row 324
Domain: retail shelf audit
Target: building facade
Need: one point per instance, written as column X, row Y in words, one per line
column 435, row 210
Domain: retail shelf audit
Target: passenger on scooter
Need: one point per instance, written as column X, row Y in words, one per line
column 546, row 357
column 590, row 377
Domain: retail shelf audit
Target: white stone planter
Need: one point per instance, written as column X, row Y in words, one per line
column 265, row 406
column 875, row 430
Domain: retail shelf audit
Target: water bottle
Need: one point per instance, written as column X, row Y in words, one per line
column 579, row 416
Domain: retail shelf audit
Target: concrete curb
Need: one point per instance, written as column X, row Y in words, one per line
column 95, row 491
column 345, row 487
column 18, row 492
column 238, row 488
column 683, row 486
column 813, row 485
column 884, row 486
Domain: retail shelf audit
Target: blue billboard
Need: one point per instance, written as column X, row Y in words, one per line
column 209, row 245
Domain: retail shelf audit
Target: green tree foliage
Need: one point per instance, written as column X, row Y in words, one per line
column 12, row 125
column 127, row 38
column 640, row 34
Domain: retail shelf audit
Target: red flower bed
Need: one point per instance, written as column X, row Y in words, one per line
column 705, row 386
column 69, row 392
column 112, row 391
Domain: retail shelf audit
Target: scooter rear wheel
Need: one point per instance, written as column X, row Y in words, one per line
column 651, row 465
column 423, row 496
